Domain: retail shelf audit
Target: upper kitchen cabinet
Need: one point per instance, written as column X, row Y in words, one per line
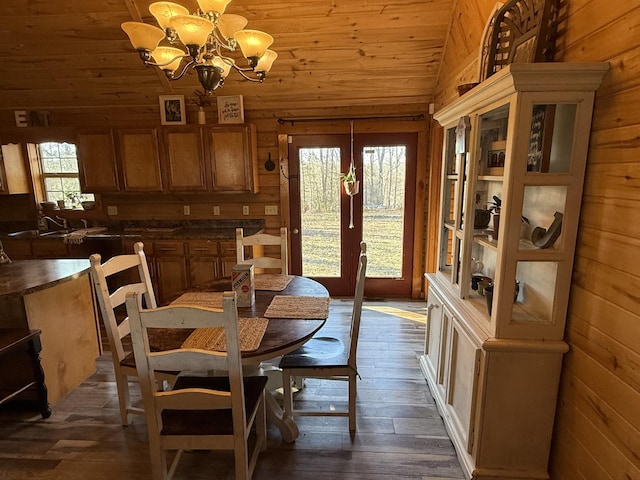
column 232, row 157
column 14, row 176
column 514, row 158
column 185, row 159
column 97, row 161
column 140, row 159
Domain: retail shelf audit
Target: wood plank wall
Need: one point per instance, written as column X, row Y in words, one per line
column 597, row 431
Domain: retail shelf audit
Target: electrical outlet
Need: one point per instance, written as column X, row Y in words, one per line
column 245, row 209
column 216, row 210
column 187, row 210
column 112, row 210
column 270, row 209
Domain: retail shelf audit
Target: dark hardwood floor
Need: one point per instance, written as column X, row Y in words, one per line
column 400, row 433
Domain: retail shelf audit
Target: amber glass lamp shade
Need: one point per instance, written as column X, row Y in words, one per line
column 225, row 65
column 253, row 44
column 192, row 30
column 266, row 61
column 215, row 6
column 229, row 24
column 142, row 35
column 165, row 11
column 170, row 55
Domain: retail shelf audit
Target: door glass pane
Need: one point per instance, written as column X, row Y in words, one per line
column 383, row 211
column 320, row 211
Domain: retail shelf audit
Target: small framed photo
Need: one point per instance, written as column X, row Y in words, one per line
column 230, row 109
column 172, row 110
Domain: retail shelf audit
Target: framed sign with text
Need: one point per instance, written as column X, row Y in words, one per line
column 230, row 109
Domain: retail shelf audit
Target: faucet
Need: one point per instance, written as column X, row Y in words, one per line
column 85, row 224
column 42, row 222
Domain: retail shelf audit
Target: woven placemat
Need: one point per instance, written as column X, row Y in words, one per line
column 284, row 306
column 250, row 333
column 200, row 299
column 271, row 281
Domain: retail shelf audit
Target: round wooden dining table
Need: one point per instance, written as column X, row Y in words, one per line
column 283, row 335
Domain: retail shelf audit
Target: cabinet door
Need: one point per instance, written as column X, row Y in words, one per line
column 185, row 163
column 140, row 160
column 204, row 262
column 14, row 176
column 171, row 278
column 49, row 248
column 462, row 384
column 233, row 159
column 97, row 161
column 17, row 249
column 171, row 270
column 228, row 258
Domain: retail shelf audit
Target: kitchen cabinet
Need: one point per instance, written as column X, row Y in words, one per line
column 179, row 265
column 140, row 159
column 14, row 176
column 49, row 248
column 232, row 158
column 97, row 164
column 204, row 262
column 17, row 249
column 184, row 159
column 517, row 145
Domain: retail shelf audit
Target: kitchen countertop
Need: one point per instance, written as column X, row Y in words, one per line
column 21, row 277
column 179, row 233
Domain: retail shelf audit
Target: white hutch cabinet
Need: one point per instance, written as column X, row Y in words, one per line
column 519, row 139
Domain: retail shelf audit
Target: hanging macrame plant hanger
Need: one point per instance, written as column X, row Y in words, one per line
column 351, row 184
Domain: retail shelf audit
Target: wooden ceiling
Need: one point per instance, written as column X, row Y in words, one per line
column 332, row 53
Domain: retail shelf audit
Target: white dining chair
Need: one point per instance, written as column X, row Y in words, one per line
column 258, row 259
column 199, row 412
column 329, row 358
column 132, row 269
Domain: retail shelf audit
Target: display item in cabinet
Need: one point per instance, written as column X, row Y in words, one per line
column 545, row 238
column 481, row 218
column 480, row 282
column 488, row 295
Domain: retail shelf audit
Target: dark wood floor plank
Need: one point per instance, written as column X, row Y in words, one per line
column 400, row 434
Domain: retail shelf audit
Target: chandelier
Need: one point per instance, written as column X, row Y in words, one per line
column 202, row 38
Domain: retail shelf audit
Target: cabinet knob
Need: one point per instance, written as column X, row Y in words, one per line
column 295, row 231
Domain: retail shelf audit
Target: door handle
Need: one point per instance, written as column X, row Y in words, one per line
column 295, row 231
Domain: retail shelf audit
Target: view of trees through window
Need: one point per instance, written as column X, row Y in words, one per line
column 382, row 184
column 59, row 164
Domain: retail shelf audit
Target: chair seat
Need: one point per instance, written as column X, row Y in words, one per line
column 128, row 361
column 317, row 352
column 210, row 422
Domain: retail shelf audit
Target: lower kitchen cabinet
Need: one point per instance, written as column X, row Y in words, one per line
column 179, row 265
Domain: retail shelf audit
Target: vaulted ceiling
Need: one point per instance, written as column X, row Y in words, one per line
column 332, row 53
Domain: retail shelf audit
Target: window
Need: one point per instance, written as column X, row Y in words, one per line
column 60, row 178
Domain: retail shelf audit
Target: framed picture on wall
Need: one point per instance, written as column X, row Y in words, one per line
column 230, row 109
column 172, row 110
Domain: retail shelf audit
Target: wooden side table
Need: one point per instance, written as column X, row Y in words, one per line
column 20, row 368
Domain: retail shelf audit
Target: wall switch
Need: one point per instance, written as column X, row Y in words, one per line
column 245, row 209
column 187, row 210
column 216, row 210
column 270, row 209
column 112, row 210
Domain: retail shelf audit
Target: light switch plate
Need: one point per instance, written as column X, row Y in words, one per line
column 216, row 210
column 187, row 210
column 270, row 209
column 112, row 210
column 245, row 209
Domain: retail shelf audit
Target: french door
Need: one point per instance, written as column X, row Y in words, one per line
column 327, row 224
